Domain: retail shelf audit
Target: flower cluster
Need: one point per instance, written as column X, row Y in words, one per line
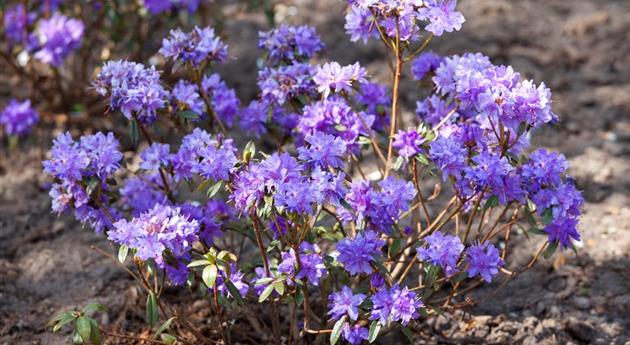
column 18, row 118
column 132, row 88
column 57, row 36
column 16, row 22
column 334, row 77
column 159, row 6
column 357, row 254
column 80, row 169
column 289, row 44
column 369, row 18
column 197, row 47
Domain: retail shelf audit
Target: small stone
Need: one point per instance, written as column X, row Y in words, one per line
column 582, row 303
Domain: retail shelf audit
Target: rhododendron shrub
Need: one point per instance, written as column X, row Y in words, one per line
column 321, row 178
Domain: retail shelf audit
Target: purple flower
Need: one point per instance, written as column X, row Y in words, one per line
column 132, row 89
column 324, row 150
column 279, row 85
column 163, row 227
column 159, row 6
column 395, row 304
column 360, row 24
column 296, row 196
column 357, row 254
column 312, row 265
column 334, row 116
column 18, row 118
column 330, row 187
column 102, row 150
column 253, row 118
column 186, row 96
column 408, row 143
column 449, row 155
column 355, row 334
column 563, row 231
column 543, row 168
column 58, row 37
column 424, row 64
column 442, row 250
column 483, row 260
column 16, row 21
column 68, row 161
column 223, row 99
column 332, row 76
column 236, row 278
column 290, row 43
column 196, row 47
column 442, row 16
column 345, row 302
column 141, row 193
column 433, row 109
column 155, row 156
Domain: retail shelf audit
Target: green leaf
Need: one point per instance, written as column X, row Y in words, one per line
column 547, row 216
column 134, row 132
column 122, row 253
column 203, row 185
column 537, row 231
column 375, row 327
column 265, row 294
column 249, row 152
column 167, row 338
column 393, row 249
column 76, row 338
column 551, row 248
column 197, row 263
column 214, row 189
column 492, row 201
column 398, row 163
column 234, row 292
column 83, row 327
column 408, row 333
column 92, row 308
column 164, row 326
column 188, row 114
column 65, row 319
column 336, row 331
column 152, row 312
column 95, row 332
column 279, row 287
column 460, row 277
column 92, row 186
column 422, row 159
column 209, row 275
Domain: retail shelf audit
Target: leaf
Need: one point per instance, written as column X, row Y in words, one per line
column 188, row 114
column 265, row 294
column 203, row 185
column 375, row 327
column 122, row 253
column 152, row 312
column 66, row 318
column 279, row 287
column 408, row 333
column 164, row 326
column 59, row 317
column 214, row 189
column 83, row 327
column 167, row 338
column 92, row 308
column 537, row 231
column 198, row 263
column 422, row 159
column 134, row 132
column 234, row 292
column 95, row 332
column 547, row 216
column 551, row 248
column 491, row 202
column 393, row 249
column 460, row 277
column 398, row 163
column 249, row 152
column 76, row 338
column 92, row 186
column 336, row 331
column 209, row 275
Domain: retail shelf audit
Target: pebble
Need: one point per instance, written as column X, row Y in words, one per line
column 582, row 303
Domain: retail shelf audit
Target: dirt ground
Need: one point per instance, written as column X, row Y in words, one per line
column 578, row 47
